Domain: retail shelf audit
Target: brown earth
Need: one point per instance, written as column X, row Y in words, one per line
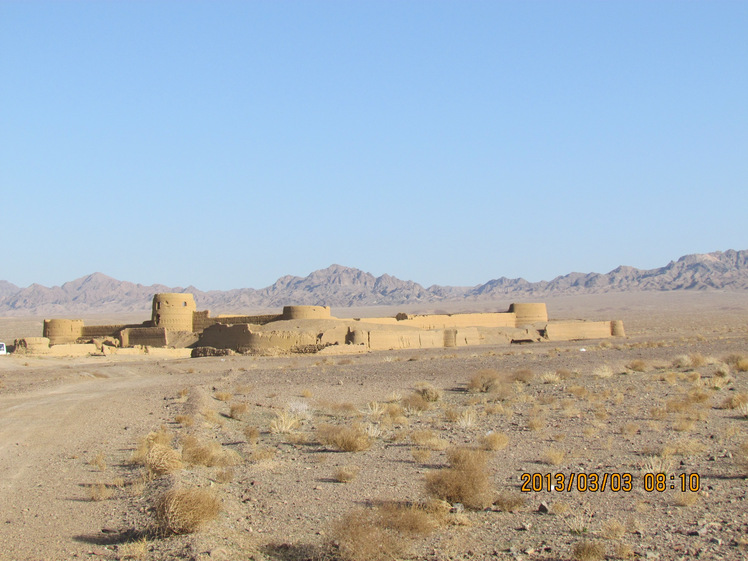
column 604, row 407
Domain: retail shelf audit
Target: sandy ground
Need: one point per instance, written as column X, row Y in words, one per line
column 67, row 425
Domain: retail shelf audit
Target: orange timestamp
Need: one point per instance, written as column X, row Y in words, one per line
column 594, row 482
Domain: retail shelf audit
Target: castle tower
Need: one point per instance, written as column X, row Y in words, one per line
column 173, row 311
column 528, row 314
column 62, row 331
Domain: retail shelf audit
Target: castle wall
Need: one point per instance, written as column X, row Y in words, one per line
column 91, row 331
column 573, row 330
column 225, row 336
column 150, row 336
column 447, row 321
column 60, row 331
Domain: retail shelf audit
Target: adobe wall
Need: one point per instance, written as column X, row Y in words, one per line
column 173, row 311
column 146, row 336
column 32, row 345
column 528, row 313
column 306, row 312
column 573, row 330
column 60, row 331
column 446, row 321
column 91, row 331
column 223, row 336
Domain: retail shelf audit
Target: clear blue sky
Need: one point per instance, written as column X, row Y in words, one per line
column 225, row 144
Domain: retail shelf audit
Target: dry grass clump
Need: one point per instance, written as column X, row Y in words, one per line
column 210, row 454
column 613, row 529
column 344, row 439
column 346, row 474
column 693, row 360
column 735, row 401
column 428, row 392
column 137, row 550
column 522, row 375
column 415, row 403
column 284, row 422
column 637, row 365
column 162, row 459
column 509, row 501
column 251, row 433
column 466, row 481
column 100, row 492
column 98, row 461
column 428, row 439
column 602, row 371
column 578, row 391
column 495, row 441
column 162, row 436
column 225, row 475
column 421, row 455
column 588, row 550
column 485, row 381
column 237, row 410
column 384, row 532
column 685, row 499
column 223, row 396
column 185, row 420
column 263, row 454
column 186, row 510
column 550, row 378
column 683, row 447
column 536, row 422
column 554, row 456
column 629, row 429
column 467, row 418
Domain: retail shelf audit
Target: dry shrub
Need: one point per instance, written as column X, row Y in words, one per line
column 263, row 455
column 415, row 403
column 485, row 381
column 428, row 392
column 742, row 365
column 237, row 410
column 629, row 429
column 385, row 532
column 522, row 375
column 185, row 420
column 186, row 510
column 554, row 456
column 735, row 401
column 509, row 501
column 658, row 413
column 223, row 396
column 361, row 538
column 100, row 492
column 685, row 499
column 536, row 423
column 225, row 475
column 284, row 422
column 467, row 418
column 421, row 455
column 637, row 365
column 697, row 360
column 162, row 436
column 252, row 434
column 550, row 378
column 495, row 441
column 161, row 460
column 428, row 439
column 622, row 551
column 579, row 391
column 137, row 550
column 587, row 550
column 98, row 461
column 346, row 474
column 467, row 480
column 683, row 447
column 344, row 439
column 603, row 371
column 613, row 529
column 683, row 424
column 210, row 454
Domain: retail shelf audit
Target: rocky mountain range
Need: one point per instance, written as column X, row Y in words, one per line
column 347, row 287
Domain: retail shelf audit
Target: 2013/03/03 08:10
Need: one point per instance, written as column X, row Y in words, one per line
column 601, row 482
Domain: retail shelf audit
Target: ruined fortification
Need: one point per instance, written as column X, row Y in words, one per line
column 176, row 323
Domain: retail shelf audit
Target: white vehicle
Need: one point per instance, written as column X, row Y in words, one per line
column 3, row 351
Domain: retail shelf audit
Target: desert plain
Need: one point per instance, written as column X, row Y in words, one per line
column 408, row 454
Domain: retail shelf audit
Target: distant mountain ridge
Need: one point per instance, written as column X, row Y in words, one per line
column 347, row 287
